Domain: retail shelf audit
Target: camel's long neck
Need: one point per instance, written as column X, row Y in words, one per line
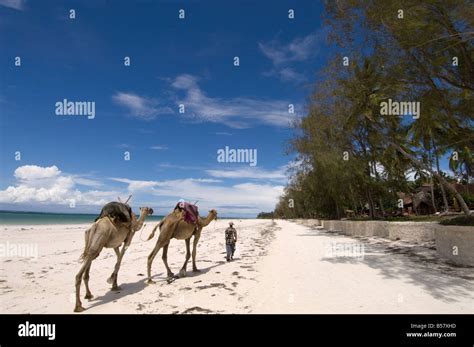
column 139, row 223
column 204, row 222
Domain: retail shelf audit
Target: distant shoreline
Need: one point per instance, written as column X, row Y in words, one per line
column 43, row 218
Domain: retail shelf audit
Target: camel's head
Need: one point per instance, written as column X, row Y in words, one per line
column 146, row 210
column 213, row 213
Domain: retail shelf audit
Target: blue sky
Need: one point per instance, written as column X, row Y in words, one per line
column 173, row 62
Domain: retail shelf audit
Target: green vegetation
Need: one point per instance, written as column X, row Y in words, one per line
column 404, row 219
column 265, row 215
column 461, row 220
column 351, row 157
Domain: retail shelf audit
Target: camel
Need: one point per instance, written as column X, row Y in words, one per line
column 180, row 231
column 106, row 232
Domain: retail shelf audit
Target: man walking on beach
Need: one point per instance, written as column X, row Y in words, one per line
column 230, row 240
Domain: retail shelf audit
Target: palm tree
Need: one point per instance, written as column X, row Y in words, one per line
column 461, row 163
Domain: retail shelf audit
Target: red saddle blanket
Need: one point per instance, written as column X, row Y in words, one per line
column 191, row 213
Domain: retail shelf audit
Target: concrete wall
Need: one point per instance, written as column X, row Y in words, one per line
column 456, row 244
column 353, row 228
column 412, row 231
column 409, row 231
column 446, row 237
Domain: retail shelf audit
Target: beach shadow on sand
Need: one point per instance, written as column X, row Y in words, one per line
column 135, row 287
column 111, row 295
column 414, row 264
column 189, row 273
column 427, row 271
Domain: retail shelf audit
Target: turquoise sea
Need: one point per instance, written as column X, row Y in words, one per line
column 30, row 218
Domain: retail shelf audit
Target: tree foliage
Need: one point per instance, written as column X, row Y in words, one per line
column 352, row 157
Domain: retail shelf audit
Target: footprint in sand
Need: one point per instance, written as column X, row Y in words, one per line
column 214, row 285
column 196, row 309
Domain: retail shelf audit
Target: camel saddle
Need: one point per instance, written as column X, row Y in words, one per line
column 117, row 212
column 191, row 213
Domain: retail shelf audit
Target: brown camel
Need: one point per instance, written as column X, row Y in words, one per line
column 180, row 231
column 109, row 233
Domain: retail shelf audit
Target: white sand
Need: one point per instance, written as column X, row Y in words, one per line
column 278, row 268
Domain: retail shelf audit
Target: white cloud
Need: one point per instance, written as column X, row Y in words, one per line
column 123, row 145
column 140, row 107
column 289, row 74
column 36, row 184
column 379, row 168
column 135, row 185
column 286, row 74
column 15, row 4
column 34, row 172
column 244, row 198
column 180, row 167
column 48, row 186
column 282, row 55
column 299, row 49
column 86, row 182
column 159, row 148
column 185, row 81
column 250, row 173
column 239, row 112
column 410, row 174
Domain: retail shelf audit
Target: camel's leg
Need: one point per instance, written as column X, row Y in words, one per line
column 159, row 244
column 182, row 272
column 113, row 278
column 195, row 242
column 86, row 282
column 96, row 241
column 165, row 260
column 87, row 263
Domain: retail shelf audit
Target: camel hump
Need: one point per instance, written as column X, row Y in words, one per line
column 117, row 211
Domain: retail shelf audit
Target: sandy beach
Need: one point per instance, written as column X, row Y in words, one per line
column 279, row 267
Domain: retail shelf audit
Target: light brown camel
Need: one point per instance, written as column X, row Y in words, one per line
column 106, row 232
column 180, row 231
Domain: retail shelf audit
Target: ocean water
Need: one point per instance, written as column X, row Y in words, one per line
column 31, row 218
